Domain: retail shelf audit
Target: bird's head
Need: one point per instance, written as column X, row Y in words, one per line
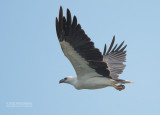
column 69, row 80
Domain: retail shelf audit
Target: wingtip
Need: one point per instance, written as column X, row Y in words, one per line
column 122, row 49
column 74, row 22
column 111, row 45
column 60, row 18
column 68, row 10
column 114, row 37
column 60, row 12
column 75, row 19
column 104, row 51
column 60, row 7
column 69, row 16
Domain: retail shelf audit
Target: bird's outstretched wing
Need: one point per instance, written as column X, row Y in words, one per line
column 78, row 48
column 114, row 57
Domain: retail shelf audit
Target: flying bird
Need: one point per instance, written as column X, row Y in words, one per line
column 94, row 70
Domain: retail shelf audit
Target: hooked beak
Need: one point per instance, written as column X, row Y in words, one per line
column 61, row 81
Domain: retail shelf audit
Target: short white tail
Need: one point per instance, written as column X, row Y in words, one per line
column 127, row 82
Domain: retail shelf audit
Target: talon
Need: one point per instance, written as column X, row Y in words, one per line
column 119, row 87
column 123, row 87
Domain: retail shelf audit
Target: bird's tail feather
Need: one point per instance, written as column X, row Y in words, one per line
column 124, row 81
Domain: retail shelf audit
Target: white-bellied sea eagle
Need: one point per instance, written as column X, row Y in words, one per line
column 93, row 69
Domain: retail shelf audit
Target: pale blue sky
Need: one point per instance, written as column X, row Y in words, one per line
column 32, row 63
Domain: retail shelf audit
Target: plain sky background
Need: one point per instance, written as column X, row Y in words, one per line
column 32, row 63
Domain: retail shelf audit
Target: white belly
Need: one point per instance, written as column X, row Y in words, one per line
column 94, row 83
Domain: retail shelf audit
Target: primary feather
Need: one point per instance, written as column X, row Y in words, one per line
column 114, row 58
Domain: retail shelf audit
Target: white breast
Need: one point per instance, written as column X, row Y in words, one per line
column 94, row 83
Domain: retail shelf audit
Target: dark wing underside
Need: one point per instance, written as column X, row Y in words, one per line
column 114, row 57
column 78, row 47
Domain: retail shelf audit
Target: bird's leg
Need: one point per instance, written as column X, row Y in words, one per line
column 119, row 87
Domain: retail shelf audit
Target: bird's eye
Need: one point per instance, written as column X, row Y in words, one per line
column 65, row 78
